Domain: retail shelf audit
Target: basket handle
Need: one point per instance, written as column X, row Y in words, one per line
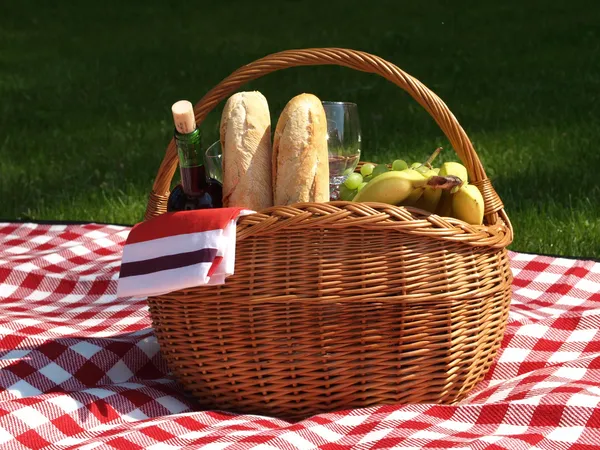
column 353, row 59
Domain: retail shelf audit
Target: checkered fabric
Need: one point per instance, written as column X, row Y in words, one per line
column 80, row 368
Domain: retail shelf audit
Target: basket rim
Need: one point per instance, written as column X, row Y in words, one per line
column 373, row 216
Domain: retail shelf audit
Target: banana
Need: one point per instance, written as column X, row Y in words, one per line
column 391, row 187
column 417, row 192
column 396, row 187
column 456, row 169
column 430, row 197
column 467, row 205
column 414, row 197
column 444, row 207
column 427, row 197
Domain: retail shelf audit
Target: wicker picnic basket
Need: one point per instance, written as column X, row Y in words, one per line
column 341, row 305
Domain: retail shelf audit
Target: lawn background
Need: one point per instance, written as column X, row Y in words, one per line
column 86, row 89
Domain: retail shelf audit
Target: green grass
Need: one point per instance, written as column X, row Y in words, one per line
column 85, row 96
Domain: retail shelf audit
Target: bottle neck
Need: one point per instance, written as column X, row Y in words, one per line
column 188, row 138
column 189, row 148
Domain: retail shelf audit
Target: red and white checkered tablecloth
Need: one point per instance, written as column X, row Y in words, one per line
column 80, row 368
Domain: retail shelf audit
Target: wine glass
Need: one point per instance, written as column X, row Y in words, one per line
column 213, row 160
column 343, row 142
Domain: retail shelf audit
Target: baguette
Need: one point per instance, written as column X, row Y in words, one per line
column 300, row 157
column 245, row 134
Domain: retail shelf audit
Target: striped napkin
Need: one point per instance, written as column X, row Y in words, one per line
column 179, row 250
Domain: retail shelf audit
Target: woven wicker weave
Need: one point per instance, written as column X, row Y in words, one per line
column 341, row 305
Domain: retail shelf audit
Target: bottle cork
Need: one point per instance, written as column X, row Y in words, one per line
column 183, row 116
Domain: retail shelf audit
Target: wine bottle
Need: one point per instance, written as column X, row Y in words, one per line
column 200, row 191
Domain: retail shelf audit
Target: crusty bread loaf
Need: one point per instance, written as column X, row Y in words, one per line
column 300, row 158
column 247, row 153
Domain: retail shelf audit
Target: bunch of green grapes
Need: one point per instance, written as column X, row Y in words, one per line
column 357, row 180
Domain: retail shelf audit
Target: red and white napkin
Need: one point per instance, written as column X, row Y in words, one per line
column 179, row 250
